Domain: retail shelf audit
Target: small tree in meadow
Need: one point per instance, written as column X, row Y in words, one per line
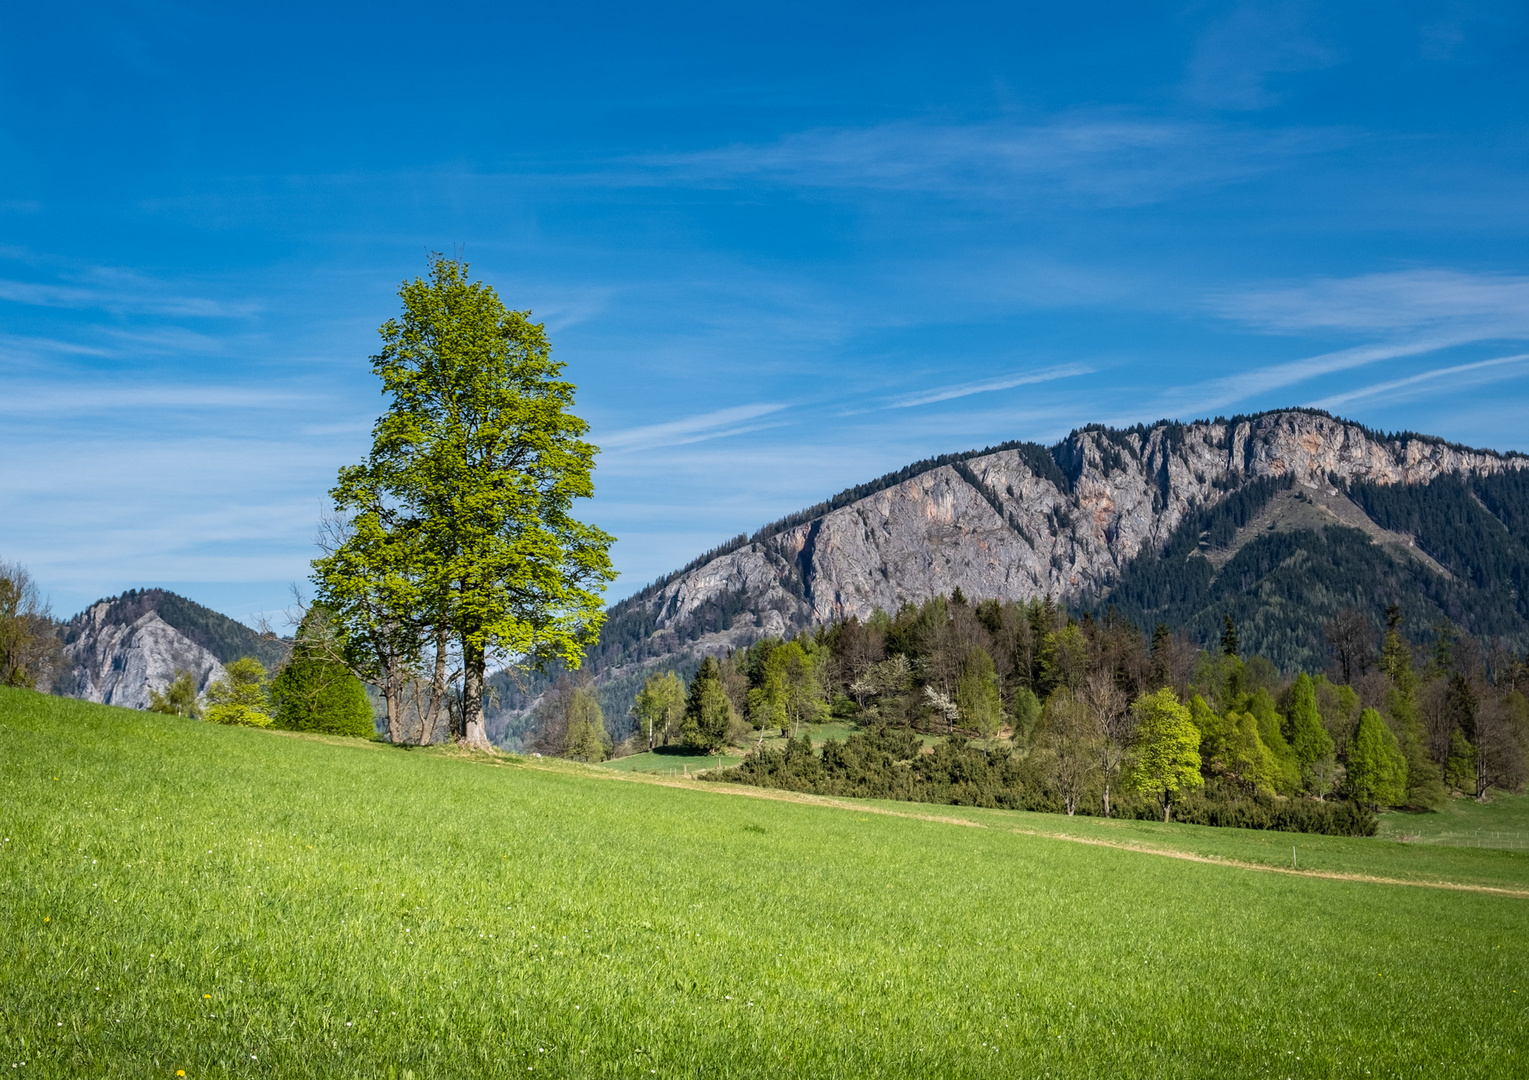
column 586, row 738
column 241, row 698
column 316, row 690
column 708, row 713
column 178, row 699
column 1167, row 748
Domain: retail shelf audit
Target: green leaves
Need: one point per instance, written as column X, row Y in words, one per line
column 461, row 520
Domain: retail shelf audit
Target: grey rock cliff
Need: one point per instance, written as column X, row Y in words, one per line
column 117, row 663
column 1006, row 525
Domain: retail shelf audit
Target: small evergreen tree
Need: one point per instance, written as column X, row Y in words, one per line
column 316, row 690
column 708, row 713
column 1167, row 748
column 241, row 698
column 1377, row 771
column 1230, row 645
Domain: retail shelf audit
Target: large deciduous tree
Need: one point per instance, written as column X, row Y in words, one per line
column 461, row 526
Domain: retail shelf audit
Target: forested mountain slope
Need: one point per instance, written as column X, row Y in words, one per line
column 1162, row 520
column 121, row 648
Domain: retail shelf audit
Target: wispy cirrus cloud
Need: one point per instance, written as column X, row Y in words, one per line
column 42, row 399
column 691, row 429
column 1461, row 375
column 1476, row 305
column 110, row 288
column 1411, row 312
column 1099, row 158
column 1007, row 382
column 1241, row 53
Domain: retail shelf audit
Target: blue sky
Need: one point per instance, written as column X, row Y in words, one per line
column 782, row 248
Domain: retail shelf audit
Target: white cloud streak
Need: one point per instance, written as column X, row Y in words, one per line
column 691, row 429
column 1106, row 159
column 1419, row 381
column 1481, row 305
column 949, row 393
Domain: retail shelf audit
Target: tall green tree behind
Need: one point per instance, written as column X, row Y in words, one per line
column 1309, row 739
column 1377, row 770
column 1425, row 785
column 977, row 694
column 479, row 461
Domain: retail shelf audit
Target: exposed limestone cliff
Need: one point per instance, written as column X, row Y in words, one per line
column 119, row 663
column 1014, row 523
column 120, row 649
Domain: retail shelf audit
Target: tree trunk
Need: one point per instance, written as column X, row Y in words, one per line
column 430, row 714
column 1481, row 774
column 1106, row 798
column 395, row 712
column 1167, row 806
column 475, row 732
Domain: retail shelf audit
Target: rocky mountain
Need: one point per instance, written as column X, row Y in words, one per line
column 1091, row 520
column 119, row 649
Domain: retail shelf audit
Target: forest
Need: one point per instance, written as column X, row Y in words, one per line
column 1028, row 706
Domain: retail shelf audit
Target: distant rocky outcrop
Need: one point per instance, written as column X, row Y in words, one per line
column 1015, row 522
column 120, row 649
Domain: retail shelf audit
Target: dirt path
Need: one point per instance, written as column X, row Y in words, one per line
column 832, row 803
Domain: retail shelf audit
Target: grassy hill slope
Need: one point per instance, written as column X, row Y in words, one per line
column 229, row 902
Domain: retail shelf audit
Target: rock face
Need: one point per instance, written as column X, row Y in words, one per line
column 120, row 649
column 1016, row 522
column 117, row 663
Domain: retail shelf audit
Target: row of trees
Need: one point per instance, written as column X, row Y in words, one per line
column 1405, row 726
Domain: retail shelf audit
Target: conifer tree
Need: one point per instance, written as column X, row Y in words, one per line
column 1425, row 786
column 315, row 691
column 1230, row 646
column 1377, row 770
column 1312, row 746
column 708, row 713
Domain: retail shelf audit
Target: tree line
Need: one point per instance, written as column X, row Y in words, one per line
column 1029, row 705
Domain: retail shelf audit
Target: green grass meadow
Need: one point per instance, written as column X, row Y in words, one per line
column 177, row 896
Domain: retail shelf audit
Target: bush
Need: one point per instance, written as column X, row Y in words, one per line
column 241, row 698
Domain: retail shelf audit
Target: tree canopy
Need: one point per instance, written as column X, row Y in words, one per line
column 460, row 534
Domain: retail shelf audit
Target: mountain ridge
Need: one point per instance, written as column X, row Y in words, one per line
column 1020, row 521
